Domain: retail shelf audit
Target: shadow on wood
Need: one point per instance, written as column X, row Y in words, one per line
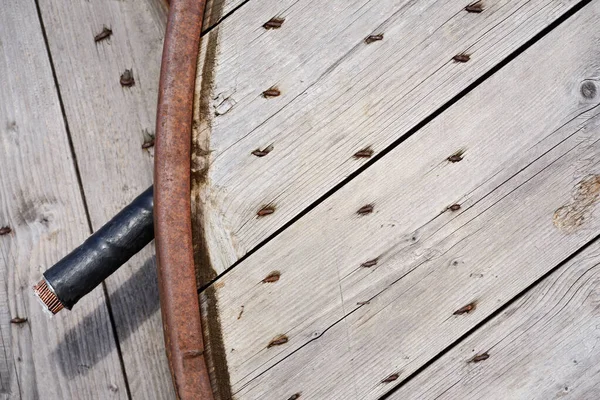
column 139, row 294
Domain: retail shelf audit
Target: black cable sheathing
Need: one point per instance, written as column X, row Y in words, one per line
column 104, row 252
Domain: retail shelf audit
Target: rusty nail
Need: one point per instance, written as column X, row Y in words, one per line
column 465, row 310
column 369, row 264
column 266, row 210
column 364, row 210
column 367, row 152
column 461, row 58
column 456, row 157
column 274, row 23
column 271, row 92
column 373, row 38
column 127, row 78
column 480, row 357
column 105, row 34
column 263, row 152
column 272, row 277
column 18, row 320
column 277, row 341
column 390, row 378
column 454, row 207
column 148, row 143
column 295, row 396
column 5, row 230
column 475, row 7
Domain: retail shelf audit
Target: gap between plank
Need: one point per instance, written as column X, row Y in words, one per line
column 81, row 191
column 206, row 31
column 405, row 136
column 490, row 317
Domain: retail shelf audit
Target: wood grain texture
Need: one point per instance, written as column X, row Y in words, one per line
column 365, row 298
column 338, row 96
column 73, row 355
column 545, row 346
column 109, row 124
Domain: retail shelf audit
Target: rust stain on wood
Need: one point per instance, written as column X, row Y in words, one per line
column 370, row 263
column 466, row 309
column 390, row 378
column 105, row 34
column 274, row 23
column 456, row 157
column 570, row 217
column 18, row 320
column 219, row 284
column 374, row 38
column 272, row 277
column 475, row 7
column 148, row 143
column 241, row 313
column 295, row 396
column 454, row 207
column 367, row 152
column 263, row 152
column 479, row 357
column 271, row 92
column 266, row 210
column 364, row 210
column 5, row 230
column 462, row 58
column 277, row 341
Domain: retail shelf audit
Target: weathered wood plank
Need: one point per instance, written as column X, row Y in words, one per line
column 109, row 123
column 518, row 155
column 545, row 346
column 338, row 96
column 71, row 356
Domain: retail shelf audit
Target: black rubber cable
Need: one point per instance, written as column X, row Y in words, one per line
column 100, row 255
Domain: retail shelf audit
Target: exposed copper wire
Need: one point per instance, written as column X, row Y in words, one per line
column 47, row 296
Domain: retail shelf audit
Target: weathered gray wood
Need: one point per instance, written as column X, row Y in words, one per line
column 71, row 356
column 524, row 172
column 109, row 123
column 545, row 346
column 339, row 95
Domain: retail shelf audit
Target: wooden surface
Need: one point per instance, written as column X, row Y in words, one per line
column 342, row 305
column 544, row 346
column 73, row 355
column 329, row 304
column 108, row 125
column 339, row 95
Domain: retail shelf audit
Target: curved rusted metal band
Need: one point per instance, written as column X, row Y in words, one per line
column 172, row 209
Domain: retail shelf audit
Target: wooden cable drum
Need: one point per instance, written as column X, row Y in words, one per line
column 338, row 195
column 353, row 200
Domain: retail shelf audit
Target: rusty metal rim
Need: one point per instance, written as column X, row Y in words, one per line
column 172, row 203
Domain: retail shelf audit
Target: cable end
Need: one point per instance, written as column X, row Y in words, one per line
column 47, row 296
